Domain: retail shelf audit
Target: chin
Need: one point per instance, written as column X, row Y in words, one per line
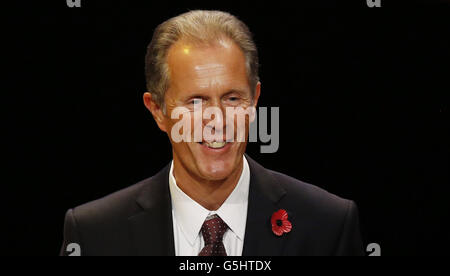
column 213, row 164
column 216, row 164
column 215, row 172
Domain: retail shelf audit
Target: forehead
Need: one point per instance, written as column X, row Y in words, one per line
column 196, row 66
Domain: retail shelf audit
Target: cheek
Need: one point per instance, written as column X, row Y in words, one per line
column 239, row 124
column 169, row 125
column 184, row 129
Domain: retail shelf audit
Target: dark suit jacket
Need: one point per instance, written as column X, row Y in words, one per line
column 138, row 219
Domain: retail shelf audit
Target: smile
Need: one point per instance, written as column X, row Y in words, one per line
column 214, row 145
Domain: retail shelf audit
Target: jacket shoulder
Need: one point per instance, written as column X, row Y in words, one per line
column 116, row 206
column 310, row 197
column 328, row 223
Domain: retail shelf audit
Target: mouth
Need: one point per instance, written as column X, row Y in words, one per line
column 214, row 145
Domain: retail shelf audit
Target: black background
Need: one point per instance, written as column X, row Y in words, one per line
column 363, row 97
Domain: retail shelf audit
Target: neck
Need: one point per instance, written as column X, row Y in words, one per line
column 210, row 194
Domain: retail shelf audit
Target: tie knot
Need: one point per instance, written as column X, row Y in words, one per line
column 213, row 230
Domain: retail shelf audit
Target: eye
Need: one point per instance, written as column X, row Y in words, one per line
column 233, row 99
column 195, row 101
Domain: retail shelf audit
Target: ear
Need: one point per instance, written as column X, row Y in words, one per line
column 255, row 100
column 156, row 111
column 257, row 93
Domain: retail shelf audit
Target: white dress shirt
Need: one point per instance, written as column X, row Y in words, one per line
column 188, row 217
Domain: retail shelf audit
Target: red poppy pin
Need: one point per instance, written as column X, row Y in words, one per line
column 280, row 222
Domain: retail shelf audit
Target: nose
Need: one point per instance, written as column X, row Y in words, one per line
column 214, row 119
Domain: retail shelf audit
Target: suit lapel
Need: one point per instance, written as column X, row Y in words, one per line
column 264, row 195
column 152, row 227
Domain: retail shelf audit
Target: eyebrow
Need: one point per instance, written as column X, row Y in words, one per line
column 239, row 91
column 231, row 91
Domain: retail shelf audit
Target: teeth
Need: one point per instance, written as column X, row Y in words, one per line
column 216, row 145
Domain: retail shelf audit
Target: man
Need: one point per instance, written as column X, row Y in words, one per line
column 212, row 199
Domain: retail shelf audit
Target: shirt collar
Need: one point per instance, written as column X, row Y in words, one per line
column 190, row 215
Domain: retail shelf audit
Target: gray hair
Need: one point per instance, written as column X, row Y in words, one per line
column 205, row 27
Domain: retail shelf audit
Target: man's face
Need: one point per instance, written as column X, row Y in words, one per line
column 213, row 76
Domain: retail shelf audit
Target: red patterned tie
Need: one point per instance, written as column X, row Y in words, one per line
column 213, row 230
